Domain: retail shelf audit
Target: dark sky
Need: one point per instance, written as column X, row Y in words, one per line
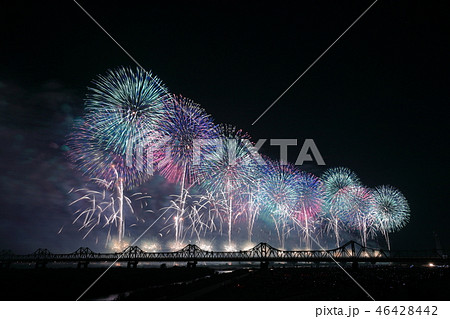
column 376, row 102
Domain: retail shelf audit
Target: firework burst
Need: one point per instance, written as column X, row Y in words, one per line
column 279, row 195
column 185, row 123
column 354, row 206
column 391, row 210
column 126, row 106
column 334, row 180
column 122, row 111
column 228, row 170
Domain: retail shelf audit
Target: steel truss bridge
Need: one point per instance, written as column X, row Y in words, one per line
column 263, row 253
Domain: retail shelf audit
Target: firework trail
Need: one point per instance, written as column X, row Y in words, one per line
column 99, row 208
column 122, row 112
column 228, row 170
column 335, row 179
column 184, row 124
column 310, row 203
column 203, row 215
column 207, row 209
column 391, row 210
column 251, row 207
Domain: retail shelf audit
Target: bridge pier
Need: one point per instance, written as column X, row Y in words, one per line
column 132, row 264
column 82, row 264
column 354, row 265
column 5, row 265
column 264, row 265
column 40, row 264
column 191, row 264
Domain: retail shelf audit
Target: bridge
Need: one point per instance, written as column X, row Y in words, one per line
column 263, row 253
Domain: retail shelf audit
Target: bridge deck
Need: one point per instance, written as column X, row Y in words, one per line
column 350, row 252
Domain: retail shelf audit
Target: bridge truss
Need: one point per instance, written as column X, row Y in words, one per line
column 263, row 253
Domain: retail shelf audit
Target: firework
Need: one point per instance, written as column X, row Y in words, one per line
column 251, row 207
column 122, row 111
column 279, row 195
column 310, row 202
column 222, row 181
column 334, row 180
column 98, row 162
column 100, row 208
column 228, row 170
column 354, row 206
column 391, row 210
column 208, row 206
column 184, row 125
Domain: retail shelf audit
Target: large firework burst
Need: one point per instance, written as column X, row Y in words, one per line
column 126, row 104
column 122, row 111
column 391, row 210
column 185, row 123
column 334, row 180
column 279, row 195
column 354, row 206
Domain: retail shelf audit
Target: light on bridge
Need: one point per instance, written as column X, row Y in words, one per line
column 230, row 247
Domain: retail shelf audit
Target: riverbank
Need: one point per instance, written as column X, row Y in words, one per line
column 202, row 283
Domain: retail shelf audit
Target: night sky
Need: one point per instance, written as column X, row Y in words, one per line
column 375, row 103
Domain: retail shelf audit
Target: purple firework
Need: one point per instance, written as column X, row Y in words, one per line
column 183, row 128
